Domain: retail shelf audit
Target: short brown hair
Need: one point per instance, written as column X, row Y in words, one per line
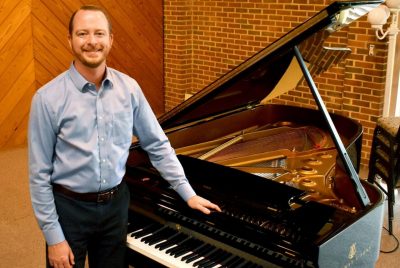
column 89, row 7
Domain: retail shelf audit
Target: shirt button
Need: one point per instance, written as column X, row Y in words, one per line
column 104, row 160
column 102, row 139
column 104, row 181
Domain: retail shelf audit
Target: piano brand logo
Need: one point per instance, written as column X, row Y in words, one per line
column 352, row 251
column 354, row 258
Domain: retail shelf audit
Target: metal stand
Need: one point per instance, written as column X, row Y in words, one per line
column 360, row 191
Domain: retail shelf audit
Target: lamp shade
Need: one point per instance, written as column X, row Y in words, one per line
column 386, row 9
column 379, row 15
column 393, row 3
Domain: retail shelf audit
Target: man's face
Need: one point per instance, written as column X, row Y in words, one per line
column 90, row 40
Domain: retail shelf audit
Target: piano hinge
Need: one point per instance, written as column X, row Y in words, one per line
column 252, row 105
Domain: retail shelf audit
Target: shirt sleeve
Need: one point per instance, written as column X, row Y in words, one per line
column 154, row 141
column 41, row 143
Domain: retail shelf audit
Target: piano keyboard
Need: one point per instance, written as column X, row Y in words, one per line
column 173, row 248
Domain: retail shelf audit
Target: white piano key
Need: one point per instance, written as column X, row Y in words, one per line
column 160, row 256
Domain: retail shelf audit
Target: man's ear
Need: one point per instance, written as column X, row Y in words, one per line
column 70, row 41
column 111, row 39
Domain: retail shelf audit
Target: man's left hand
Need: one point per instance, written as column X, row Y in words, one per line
column 202, row 204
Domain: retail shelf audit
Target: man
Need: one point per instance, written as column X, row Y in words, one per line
column 80, row 130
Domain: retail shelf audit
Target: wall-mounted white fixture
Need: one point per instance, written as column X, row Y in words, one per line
column 378, row 18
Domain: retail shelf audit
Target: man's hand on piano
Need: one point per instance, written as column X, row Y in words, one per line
column 60, row 255
column 204, row 205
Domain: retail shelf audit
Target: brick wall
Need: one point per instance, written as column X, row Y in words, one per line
column 206, row 38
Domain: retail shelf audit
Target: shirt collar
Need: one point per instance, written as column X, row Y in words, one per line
column 83, row 85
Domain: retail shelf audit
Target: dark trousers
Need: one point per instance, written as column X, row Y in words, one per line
column 96, row 229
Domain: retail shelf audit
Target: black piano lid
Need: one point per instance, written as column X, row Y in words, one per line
column 262, row 75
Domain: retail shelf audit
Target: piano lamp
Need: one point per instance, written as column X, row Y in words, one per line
column 378, row 18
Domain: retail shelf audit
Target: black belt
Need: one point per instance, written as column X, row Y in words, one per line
column 98, row 197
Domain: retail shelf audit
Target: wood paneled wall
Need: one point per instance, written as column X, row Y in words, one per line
column 34, row 49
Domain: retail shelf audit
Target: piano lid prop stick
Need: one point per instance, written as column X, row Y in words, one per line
column 360, row 191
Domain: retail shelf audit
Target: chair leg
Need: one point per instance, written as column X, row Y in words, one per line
column 372, row 168
column 389, row 191
column 391, row 202
column 391, row 185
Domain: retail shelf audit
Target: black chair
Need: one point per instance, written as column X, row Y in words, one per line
column 384, row 159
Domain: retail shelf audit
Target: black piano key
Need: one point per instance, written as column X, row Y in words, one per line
column 153, row 234
column 195, row 252
column 176, row 238
column 227, row 261
column 241, row 264
column 199, row 252
column 190, row 245
column 235, row 261
column 146, row 230
column 207, row 257
column 179, row 246
column 168, row 241
column 172, row 250
column 205, row 262
column 154, row 239
column 169, row 249
column 136, row 225
column 217, row 260
column 249, row 265
column 224, row 256
column 185, row 247
column 208, row 265
column 162, row 236
column 158, row 236
column 182, row 252
column 213, row 259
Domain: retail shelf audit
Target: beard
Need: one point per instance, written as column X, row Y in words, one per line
column 83, row 55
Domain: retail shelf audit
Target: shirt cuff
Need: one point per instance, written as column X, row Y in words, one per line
column 185, row 191
column 54, row 236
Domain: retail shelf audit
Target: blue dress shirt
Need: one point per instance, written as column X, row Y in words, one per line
column 80, row 137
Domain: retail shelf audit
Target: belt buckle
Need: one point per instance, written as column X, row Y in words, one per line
column 106, row 196
column 102, row 197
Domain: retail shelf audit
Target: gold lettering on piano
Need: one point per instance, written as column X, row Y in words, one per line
column 352, row 251
column 354, row 257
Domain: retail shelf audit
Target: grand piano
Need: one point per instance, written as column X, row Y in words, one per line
column 285, row 177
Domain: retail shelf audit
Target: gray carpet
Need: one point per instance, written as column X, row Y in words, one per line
column 21, row 244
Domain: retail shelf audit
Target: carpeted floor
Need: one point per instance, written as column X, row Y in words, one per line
column 22, row 244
